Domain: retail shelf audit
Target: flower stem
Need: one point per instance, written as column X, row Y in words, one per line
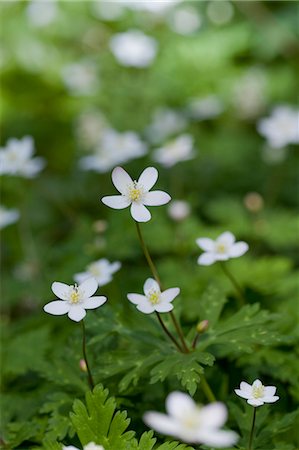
column 240, row 294
column 207, row 390
column 90, row 379
column 252, row 430
column 168, row 332
column 179, row 331
column 194, row 342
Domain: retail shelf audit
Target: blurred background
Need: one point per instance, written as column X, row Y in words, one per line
column 205, row 91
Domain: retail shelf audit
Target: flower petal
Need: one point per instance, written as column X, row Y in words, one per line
column 161, row 423
column 82, row 276
column 88, row 287
column 57, row 308
column 140, row 213
column 226, row 238
column 150, row 284
column 116, row 201
column 170, row 294
column 255, row 402
column 148, row 178
column 121, row 179
column 243, row 394
column 269, row 391
column 136, row 298
column 213, row 415
column 76, row 313
column 178, row 404
column 206, row 259
column 61, row 290
column 217, row 438
column 238, row 249
column 146, row 307
column 94, row 302
column 156, row 198
column 245, row 387
column 163, row 307
column 206, row 244
column 257, row 383
column 271, row 399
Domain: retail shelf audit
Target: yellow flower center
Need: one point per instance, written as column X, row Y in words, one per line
column 221, row 248
column 154, row 297
column 258, row 391
column 75, row 295
column 135, row 193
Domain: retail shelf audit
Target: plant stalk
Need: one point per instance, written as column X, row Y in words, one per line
column 250, row 447
column 90, row 379
column 229, row 275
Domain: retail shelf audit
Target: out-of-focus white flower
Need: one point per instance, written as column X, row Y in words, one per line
column 154, row 7
column 179, row 149
column 179, row 210
column 281, row 128
column 109, row 11
column 166, row 122
column 113, row 148
column 220, row 13
column 41, row 13
column 8, row 216
column 16, row 158
column 205, row 108
column 191, row 423
column 81, row 78
column 257, row 394
column 185, row 20
column 74, row 299
column 136, row 193
column 222, row 249
column 102, row 270
column 89, row 128
column 153, row 299
column 134, row 48
column 90, row 446
column 249, row 95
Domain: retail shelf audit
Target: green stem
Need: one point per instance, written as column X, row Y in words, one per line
column 179, row 331
column 90, row 379
column 240, row 295
column 252, row 430
column 194, row 342
column 207, row 390
column 168, row 332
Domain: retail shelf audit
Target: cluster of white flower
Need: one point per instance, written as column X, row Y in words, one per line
column 113, row 148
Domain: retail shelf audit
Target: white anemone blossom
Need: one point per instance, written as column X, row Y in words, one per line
column 133, row 48
column 74, row 299
column 136, row 193
column 191, row 423
column 153, row 299
column 90, row 446
column 16, row 158
column 102, row 270
column 222, row 249
column 281, row 128
column 113, row 148
column 179, row 149
column 8, row 216
column 257, row 394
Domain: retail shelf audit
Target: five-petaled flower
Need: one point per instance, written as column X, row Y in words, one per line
column 136, row 193
column 257, row 394
column 222, row 249
column 102, row 270
column 192, row 423
column 154, row 299
column 74, row 299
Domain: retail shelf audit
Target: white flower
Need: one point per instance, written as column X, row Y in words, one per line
column 154, row 299
column 74, row 299
column 81, row 78
column 90, row 446
column 8, row 216
column 165, row 123
column 41, row 13
column 179, row 210
column 136, row 193
column 192, row 423
column 220, row 13
column 16, row 158
column 113, row 148
column 185, row 20
column 281, row 128
column 257, row 394
column 133, row 48
column 179, row 149
column 222, row 249
column 102, row 270
column 205, row 108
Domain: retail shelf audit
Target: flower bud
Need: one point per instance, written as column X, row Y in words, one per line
column 83, row 365
column 202, row 326
column 254, row 202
